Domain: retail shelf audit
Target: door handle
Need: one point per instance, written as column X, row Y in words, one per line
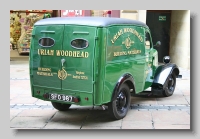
column 62, row 61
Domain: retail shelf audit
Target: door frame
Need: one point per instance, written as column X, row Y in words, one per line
column 162, row 11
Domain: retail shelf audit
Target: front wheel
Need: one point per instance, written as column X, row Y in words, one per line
column 60, row 106
column 119, row 106
column 169, row 88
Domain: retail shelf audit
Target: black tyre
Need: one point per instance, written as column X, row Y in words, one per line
column 60, row 106
column 169, row 88
column 119, row 107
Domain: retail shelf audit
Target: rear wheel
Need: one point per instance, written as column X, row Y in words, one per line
column 119, row 106
column 169, row 88
column 60, row 106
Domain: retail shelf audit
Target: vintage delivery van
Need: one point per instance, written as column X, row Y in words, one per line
column 96, row 61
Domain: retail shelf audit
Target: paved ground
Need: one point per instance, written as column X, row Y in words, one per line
column 151, row 112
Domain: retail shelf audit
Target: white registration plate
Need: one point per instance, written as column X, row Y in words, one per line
column 60, row 97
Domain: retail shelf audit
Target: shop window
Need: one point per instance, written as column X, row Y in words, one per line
column 79, row 43
column 46, row 42
column 21, row 26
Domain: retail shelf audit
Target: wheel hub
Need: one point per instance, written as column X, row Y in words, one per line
column 121, row 100
column 171, row 83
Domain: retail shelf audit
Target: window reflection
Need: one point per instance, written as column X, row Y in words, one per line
column 46, row 42
column 79, row 43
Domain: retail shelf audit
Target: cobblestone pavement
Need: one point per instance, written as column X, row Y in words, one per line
column 145, row 112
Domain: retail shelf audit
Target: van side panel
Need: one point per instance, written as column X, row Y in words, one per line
column 125, row 53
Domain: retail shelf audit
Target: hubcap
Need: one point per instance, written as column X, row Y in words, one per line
column 171, row 83
column 121, row 102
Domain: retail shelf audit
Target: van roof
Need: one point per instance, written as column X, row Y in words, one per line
column 90, row 21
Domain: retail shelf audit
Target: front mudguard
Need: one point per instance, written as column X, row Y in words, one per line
column 162, row 73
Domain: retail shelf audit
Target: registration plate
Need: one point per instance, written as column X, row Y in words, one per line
column 60, row 97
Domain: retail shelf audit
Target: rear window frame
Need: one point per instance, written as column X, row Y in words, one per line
column 79, row 39
column 47, row 38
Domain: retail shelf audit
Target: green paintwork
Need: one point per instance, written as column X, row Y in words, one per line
column 94, row 74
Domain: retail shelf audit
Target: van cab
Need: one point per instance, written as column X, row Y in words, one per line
column 95, row 61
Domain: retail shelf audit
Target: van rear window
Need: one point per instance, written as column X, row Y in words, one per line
column 46, row 42
column 79, row 43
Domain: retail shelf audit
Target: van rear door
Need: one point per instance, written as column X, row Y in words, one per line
column 78, row 56
column 46, row 64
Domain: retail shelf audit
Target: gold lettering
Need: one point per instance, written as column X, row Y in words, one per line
column 84, row 77
column 80, row 77
column 79, row 72
column 78, row 54
column 125, row 29
column 132, row 30
column 58, row 52
column 42, row 52
column 45, row 52
column 62, row 53
column 134, row 52
column 115, row 37
column 70, row 53
column 86, row 54
column 122, row 53
column 74, row 54
column 116, row 53
column 50, row 74
column 82, row 54
column 44, row 74
column 46, row 69
column 48, row 52
column 76, row 77
column 121, row 31
column 66, row 53
column 51, row 52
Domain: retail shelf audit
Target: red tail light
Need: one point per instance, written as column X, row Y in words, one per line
column 46, row 96
column 76, row 100
column 86, row 98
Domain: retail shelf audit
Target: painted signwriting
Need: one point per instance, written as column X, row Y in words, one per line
column 126, row 30
column 62, row 74
column 44, row 71
column 79, row 54
column 80, row 75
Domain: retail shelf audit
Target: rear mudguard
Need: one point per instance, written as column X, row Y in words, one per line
column 162, row 73
column 126, row 78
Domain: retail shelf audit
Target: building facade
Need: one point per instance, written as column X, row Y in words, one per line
column 171, row 27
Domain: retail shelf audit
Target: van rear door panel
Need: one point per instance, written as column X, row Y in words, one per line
column 78, row 54
column 46, row 64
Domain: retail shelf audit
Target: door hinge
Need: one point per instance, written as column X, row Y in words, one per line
column 96, row 38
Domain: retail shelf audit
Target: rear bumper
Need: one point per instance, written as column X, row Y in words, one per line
column 75, row 97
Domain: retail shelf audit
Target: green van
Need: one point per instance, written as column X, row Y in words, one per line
column 96, row 61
